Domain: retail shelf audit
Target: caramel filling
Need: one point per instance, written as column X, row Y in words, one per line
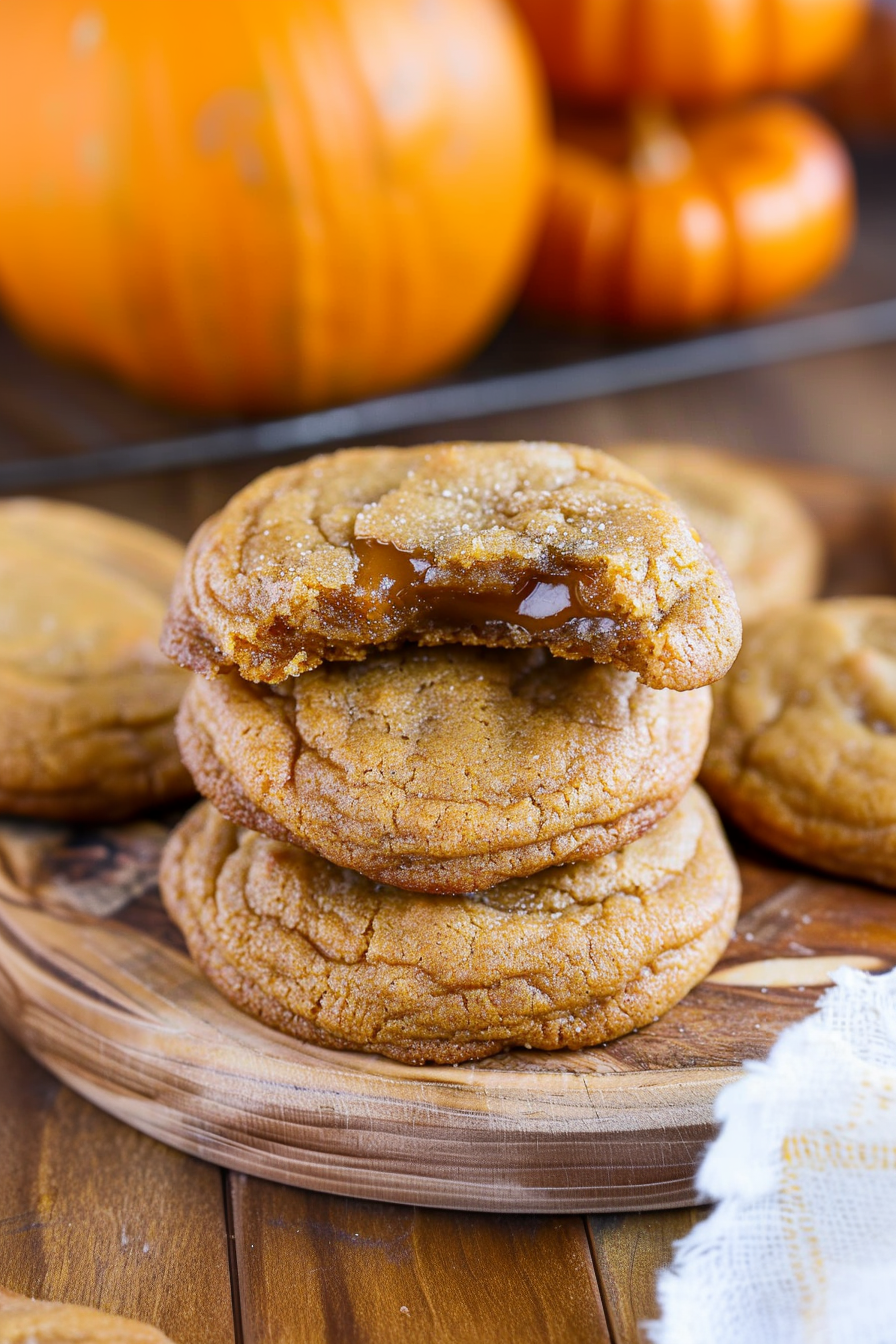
column 396, row 581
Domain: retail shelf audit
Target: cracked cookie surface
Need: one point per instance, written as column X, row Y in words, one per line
column 769, row 545
column 446, row 769
column 568, row 958
column 509, row 545
column 803, row 742
column 87, row 701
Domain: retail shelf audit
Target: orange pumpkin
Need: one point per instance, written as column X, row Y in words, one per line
column 862, row 97
column 672, row 227
column 252, row 206
column 690, row 51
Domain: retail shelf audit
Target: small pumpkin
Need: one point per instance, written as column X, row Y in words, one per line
column 690, row 51
column 249, row 207
column 667, row 225
column 862, row 96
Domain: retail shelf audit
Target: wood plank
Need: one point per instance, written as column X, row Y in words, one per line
column 629, row 1251
column 319, row 1269
column 94, row 1213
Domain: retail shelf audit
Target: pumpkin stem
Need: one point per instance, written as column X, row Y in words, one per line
column 658, row 149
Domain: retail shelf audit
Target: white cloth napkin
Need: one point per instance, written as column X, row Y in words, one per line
column 801, row 1248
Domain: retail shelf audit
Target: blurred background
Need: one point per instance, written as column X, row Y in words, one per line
column 234, row 234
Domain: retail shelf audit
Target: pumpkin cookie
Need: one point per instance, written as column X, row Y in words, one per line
column 571, row 957
column 766, row 540
column 87, row 702
column 27, row 1320
column 448, row 769
column 509, row 545
column 803, row 744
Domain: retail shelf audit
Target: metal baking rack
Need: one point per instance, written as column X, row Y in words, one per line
column 60, row 426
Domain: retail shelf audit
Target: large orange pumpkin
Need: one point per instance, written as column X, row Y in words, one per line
column 666, row 226
column 690, row 51
column 250, row 206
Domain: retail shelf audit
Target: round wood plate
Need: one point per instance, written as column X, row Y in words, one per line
column 96, row 983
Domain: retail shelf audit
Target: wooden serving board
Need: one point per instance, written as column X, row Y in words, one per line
column 95, row 981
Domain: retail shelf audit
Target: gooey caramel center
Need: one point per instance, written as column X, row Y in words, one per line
column 393, row 580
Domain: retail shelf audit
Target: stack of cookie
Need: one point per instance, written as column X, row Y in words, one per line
column 450, row 707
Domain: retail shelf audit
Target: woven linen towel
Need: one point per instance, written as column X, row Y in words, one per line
column 801, row 1248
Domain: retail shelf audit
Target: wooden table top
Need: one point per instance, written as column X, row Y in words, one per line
column 93, row 1212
